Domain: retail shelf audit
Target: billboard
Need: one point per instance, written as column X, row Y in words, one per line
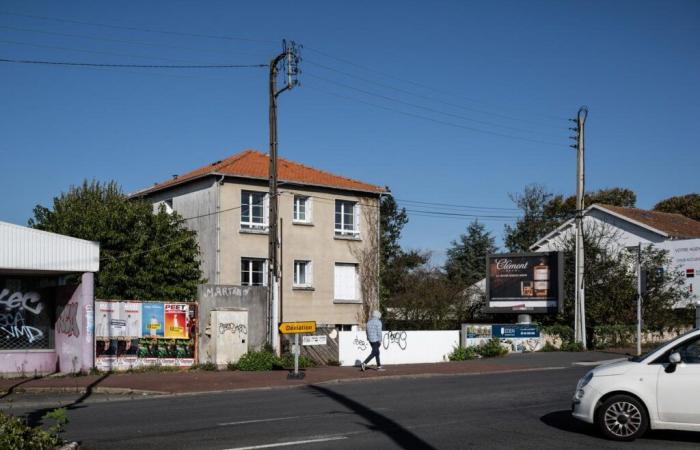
column 525, row 283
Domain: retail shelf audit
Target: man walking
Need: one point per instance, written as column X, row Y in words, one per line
column 374, row 336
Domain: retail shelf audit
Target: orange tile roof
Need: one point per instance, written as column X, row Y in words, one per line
column 675, row 225
column 255, row 164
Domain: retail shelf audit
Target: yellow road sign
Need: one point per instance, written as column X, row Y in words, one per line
column 297, row 327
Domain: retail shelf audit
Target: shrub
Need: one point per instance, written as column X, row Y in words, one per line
column 549, row 347
column 208, row 366
column 287, row 362
column 491, row 348
column 17, row 435
column 572, row 347
column 462, row 354
column 258, row 361
column 565, row 332
column 231, row 366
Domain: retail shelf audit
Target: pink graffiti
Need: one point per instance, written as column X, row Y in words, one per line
column 68, row 321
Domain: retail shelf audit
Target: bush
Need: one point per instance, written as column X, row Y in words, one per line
column 565, row 332
column 571, row 347
column 208, row 366
column 231, row 366
column 258, row 361
column 491, row 348
column 463, row 354
column 549, row 347
column 15, row 434
column 287, row 362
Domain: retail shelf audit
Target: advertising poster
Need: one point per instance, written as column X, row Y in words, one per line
column 528, row 282
column 130, row 312
column 176, row 320
column 103, row 315
column 153, row 320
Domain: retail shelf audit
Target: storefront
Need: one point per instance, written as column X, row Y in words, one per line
column 46, row 301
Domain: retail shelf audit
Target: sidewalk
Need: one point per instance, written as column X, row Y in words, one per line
column 203, row 381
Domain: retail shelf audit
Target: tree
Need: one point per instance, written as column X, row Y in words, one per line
column 466, row 258
column 143, row 255
column 687, row 205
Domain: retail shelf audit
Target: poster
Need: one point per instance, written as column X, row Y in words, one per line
column 176, row 315
column 527, row 282
column 104, row 311
column 130, row 312
column 153, row 320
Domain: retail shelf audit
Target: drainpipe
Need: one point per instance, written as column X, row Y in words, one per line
column 217, row 278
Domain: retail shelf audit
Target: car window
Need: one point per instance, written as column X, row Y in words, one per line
column 690, row 352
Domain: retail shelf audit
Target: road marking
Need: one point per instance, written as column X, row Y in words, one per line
column 290, row 443
column 597, row 363
column 271, row 419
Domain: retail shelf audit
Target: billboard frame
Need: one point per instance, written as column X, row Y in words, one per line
column 557, row 255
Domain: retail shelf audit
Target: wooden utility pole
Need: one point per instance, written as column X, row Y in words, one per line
column 290, row 58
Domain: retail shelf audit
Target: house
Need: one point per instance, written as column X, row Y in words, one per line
column 629, row 227
column 327, row 223
column 46, row 301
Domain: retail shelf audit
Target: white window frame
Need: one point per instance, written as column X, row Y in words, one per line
column 306, row 201
column 308, row 273
column 246, row 261
column 250, row 224
column 341, row 297
column 340, row 228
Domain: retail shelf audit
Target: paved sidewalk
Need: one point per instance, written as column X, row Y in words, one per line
column 190, row 381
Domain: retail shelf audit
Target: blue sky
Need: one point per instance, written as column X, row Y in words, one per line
column 472, row 71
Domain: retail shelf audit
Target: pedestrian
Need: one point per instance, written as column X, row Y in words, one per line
column 374, row 336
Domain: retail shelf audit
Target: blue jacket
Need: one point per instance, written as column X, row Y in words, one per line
column 374, row 330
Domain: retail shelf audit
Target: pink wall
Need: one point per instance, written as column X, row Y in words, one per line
column 74, row 326
column 27, row 363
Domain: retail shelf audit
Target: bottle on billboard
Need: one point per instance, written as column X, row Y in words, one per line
column 541, row 277
column 153, row 326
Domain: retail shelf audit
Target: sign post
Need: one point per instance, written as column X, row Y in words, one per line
column 297, row 328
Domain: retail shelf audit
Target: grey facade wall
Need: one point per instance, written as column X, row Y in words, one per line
column 212, row 297
column 198, row 199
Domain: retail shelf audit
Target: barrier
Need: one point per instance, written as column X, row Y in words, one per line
column 398, row 347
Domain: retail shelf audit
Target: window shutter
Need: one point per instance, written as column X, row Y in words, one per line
column 266, row 210
column 357, row 218
column 309, row 209
column 310, row 273
column 345, row 282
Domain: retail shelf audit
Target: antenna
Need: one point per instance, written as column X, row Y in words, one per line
column 292, row 52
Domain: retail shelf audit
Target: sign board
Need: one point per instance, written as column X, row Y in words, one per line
column 314, row 340
column 525, row 283
column 685, row 257
column 515, row 331
column 297, row 327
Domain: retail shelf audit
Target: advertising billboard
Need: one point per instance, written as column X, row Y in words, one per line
column 153, row 320
column 525, row 283
column 176, row 320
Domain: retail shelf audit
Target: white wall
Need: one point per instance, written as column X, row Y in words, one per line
column 398, row 347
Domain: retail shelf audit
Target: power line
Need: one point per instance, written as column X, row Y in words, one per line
column 436, row 120
column 457, row 206
column 139, row 66
column 415, row 105
column 145, row 30
column 427, row 97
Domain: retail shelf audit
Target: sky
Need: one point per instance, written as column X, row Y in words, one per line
column 455, row 105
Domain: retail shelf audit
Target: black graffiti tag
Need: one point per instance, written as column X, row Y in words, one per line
column 394, row 337
column 68, row 322
column 234, row 328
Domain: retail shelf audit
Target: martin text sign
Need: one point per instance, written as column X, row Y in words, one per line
column 524, row 282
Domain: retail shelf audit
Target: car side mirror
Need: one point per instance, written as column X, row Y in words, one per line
column 673, row 359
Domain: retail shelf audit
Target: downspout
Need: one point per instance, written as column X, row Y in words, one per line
column 217, row 278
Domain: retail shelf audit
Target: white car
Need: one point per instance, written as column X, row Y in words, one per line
column 658, row 390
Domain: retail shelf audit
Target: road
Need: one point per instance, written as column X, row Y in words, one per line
column 524, row 410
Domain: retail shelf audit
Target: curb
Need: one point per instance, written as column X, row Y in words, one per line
column 83, row 390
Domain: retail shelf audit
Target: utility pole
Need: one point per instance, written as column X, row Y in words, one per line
column 579, row 278
column 639, row 299
column 290, row 60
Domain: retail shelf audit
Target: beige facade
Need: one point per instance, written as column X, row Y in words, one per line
column 313, row 241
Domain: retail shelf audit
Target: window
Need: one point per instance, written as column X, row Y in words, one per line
column 303, row 276
column 346, row 282
column 690, row 352
column 253, row 272
column 346, row 218
column 302, row 209
column 254, row 210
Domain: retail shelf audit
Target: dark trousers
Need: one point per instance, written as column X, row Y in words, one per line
column 375, row 353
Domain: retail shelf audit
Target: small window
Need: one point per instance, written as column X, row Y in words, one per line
column 302, row 209
column 253, row 272
column 254, row 210
column 346, row 218
column 302, row 273
column 346, row 283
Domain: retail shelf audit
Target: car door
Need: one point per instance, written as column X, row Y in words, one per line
column 678, row 391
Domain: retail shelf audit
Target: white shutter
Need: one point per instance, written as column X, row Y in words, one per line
column 309, row 209
column 310, row 273
column 266, row 210
column 345, row 282
column 357, row 219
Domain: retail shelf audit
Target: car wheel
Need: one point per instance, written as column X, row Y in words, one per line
column 622, row 418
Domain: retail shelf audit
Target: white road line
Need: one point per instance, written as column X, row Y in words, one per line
column 597, row 363
column 290, row 443
column 271, row 419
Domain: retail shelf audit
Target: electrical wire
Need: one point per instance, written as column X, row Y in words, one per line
column 418, row 116
column 138, row 66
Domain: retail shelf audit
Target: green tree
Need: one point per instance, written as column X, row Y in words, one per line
column 687, row 205
column 466, row 258
column 143, row 255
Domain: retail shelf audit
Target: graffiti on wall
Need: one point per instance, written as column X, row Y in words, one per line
column 68, row 321
column 395, row 337
column 19, row 313
column 233, row 328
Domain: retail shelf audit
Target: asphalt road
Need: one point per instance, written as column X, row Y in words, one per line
column 526, row 410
